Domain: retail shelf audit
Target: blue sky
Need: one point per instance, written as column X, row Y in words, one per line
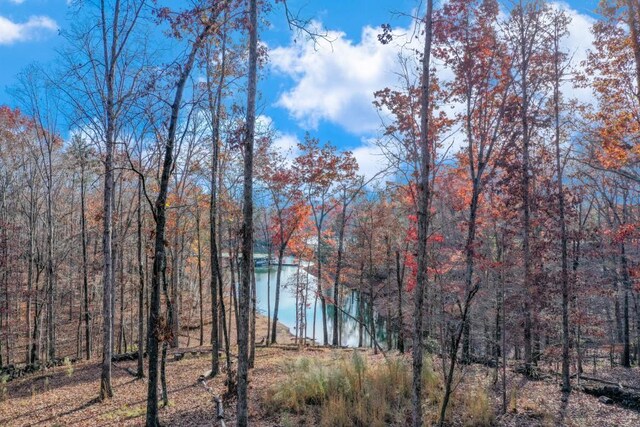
column 324, row 89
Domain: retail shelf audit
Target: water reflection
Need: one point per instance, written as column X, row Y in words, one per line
column 293, row 278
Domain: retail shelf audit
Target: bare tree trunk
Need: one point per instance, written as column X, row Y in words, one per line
column 140, row 371
column 400, row 280
column 336, row 284
column 165, row 340
column 175, row 288
column 247, row 218
column 233, row 292
column 276, row 303
column 298, row 311
column 215, row 109
column 110, row 57
column 200, row 294
column 424, row 195
column 51, row 287
column 304, row 306
column 626, row 283
column 526, row 200
column 4, row 324
column 121, row 335
column 566, row 383
column 85, row 272
column 32, row 225
column 160, row 217
column 504, row 340
column 268, row 337
column 453, row 355
column 470, row 258
column 320, row 292
column 361, row 307
column 252, row 325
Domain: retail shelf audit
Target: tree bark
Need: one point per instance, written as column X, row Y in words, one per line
column 141, row 292
column 564, row 278
column 336, row 284
column 424, row 195
column 154, row 329
column 400, row 281
column 276, row 302
column 247, row 218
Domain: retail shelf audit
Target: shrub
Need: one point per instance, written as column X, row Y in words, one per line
column 335, row 412
column 513, row 400
column 477, row 409
column 349, row 392
column 3, row 387
column 69, row 366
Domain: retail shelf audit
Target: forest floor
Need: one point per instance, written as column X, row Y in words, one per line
column 67, row 395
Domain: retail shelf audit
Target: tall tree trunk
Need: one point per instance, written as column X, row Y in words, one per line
column 110, row 57
column 268, row 337
column 35, row 349
column 320, row 294
column 252, row 319
column 4, row 256
column 175, row 288
column 626, row 283
column 298, row 310
column 215, row 111
column 85, row 272
column 361, row 307
column 233, row 292
column 424, row 195
column 121, row 336
column 200, row 294
column 140, row 371
column 453, row 352
column 167, row 336
column 400, row 280
column 160, row 217
column 32, row 225
column 51, row 288
column 107, row 318
column 526, row 200
column 247, row 218
column 470, row 258
column 276, row 303
column 564, row 278
column 336, row 283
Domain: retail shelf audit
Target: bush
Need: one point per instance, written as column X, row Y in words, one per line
column 3, row 387
column 349, row 392
column 477, row 410
column 335, row 413
column 69, row 366
column 513, row 400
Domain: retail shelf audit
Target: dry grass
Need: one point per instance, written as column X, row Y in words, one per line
column 352, row 390
column 338, row 389
column 477, row 408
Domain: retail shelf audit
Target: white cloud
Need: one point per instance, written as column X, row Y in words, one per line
column 286, row 144
column 576, row 44
column 12, row 32
column 16, row 1
column 264, row 123
column 283, row 143
column 335, row 81
column 371, row 160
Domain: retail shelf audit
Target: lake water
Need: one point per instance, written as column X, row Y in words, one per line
column 287, row 306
